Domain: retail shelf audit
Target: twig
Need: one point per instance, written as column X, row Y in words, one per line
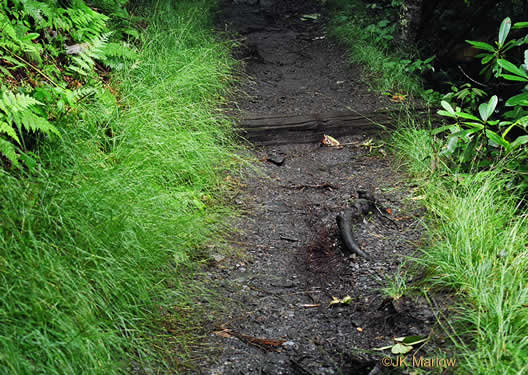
column 289, row 239
column 471, row 79
column 382, row 214
column 324, row 185
column 32, row 66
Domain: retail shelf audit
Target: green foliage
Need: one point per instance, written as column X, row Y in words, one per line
column 19, row 114
column 466, row 96
column 478, row 251
column 96, row 242
column 380, row 32
column 87, row 53
column 413, row 66
column 370, row 41
column 478, row 141
column 493, row 54
column 47, row 52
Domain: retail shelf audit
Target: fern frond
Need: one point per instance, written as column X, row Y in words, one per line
column 85, row 92
column 7, row 149
column 11, row 103
column 84, row 62
column 86, row 23
column 19, row 110
column 8, row 129
column 10, row 41
column 32, row 121
column 41, row 13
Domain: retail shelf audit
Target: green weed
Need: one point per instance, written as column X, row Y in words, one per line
column 478, row 249
column 370, row 44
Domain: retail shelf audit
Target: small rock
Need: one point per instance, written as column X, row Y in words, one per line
column 288, row 345
column 218, row 257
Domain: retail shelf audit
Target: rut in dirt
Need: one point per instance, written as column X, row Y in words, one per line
column 279, row 319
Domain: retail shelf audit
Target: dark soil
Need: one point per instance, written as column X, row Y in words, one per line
column 292, row 66
column 295, row 262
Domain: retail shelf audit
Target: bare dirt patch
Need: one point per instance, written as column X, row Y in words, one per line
column 278, row 317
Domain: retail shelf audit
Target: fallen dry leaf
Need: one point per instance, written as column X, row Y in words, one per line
column 331, row 141
column 398, row 98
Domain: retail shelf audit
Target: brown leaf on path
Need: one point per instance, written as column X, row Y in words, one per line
column 262, row 343
column 331, row 141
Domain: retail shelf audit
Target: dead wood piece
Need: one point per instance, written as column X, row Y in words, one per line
column 367, row 202
column 344, row 222
column 311, row 305
column 362, row 207
column 262, row 343
column 310, row 128
column 290, row 239
column 324, row 185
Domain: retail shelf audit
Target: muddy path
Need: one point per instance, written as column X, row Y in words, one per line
column 278, row 319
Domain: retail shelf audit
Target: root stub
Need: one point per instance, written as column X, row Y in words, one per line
column 344, row 222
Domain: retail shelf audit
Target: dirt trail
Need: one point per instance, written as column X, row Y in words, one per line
column 295, row 261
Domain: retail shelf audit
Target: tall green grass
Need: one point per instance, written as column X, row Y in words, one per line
column 349, row 20
column 90, row 242
column 478, row 249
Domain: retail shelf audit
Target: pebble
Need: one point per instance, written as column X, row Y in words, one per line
column 289, row 344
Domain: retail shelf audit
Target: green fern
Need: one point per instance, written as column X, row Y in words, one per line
column 7, row 149
column 83, row 64
column 36, row 42
column 17, row 39
column 19, row 110
column 114, row 54
column 86, row 24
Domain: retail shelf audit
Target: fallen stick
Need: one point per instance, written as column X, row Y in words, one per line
column 262, row 343
column 324, row 185
column 290, row 239
column 311, row 305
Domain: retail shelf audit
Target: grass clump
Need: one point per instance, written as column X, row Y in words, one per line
column 370, row 42
column 90, row 239
column 478, row 249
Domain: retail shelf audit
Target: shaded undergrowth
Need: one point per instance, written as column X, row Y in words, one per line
column 370, row 43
